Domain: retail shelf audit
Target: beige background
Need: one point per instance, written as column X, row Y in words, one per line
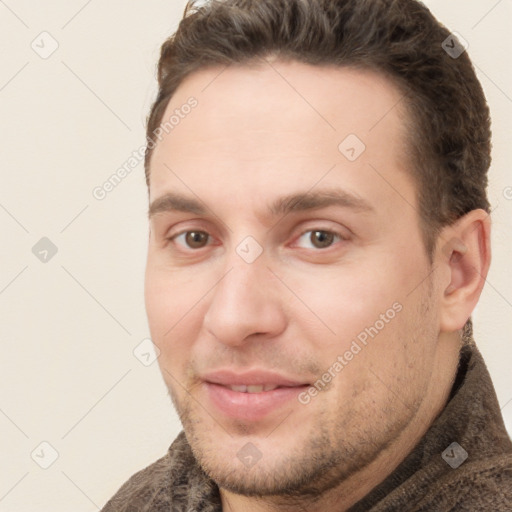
column 69, row 326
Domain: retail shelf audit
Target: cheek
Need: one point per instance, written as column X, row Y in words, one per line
column 170, row 311
column 390, row 367
column 340, row 303
column 160, row 304
column 168, row 293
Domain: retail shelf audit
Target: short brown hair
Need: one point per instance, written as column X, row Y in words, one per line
column 449, row 140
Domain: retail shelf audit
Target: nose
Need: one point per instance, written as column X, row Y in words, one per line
column 244, row 303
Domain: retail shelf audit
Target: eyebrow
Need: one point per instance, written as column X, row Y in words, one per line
column 296, row 202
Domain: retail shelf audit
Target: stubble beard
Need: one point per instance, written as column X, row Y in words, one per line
column 335, row 448
column 320, row 461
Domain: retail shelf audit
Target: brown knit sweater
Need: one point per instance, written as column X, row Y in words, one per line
column 424, row 481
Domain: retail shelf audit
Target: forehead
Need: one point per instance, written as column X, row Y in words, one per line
column 280, row 125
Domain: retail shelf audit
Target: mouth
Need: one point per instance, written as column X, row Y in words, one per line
column 255, row 398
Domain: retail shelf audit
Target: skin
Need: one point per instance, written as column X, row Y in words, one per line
column 258, row 133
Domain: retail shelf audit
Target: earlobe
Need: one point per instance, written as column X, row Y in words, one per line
column 465, row 256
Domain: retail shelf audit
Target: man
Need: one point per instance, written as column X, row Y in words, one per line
column 319, row 237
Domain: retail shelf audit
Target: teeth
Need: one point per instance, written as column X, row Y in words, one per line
column 253, row 389
column 242, row 389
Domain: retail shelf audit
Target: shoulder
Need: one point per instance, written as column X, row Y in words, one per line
column 157, row 485
column 477, row 486
column 143, row 489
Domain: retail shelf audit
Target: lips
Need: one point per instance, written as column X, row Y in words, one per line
column 250, row 395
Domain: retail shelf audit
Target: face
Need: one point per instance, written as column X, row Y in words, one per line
column 283, row 253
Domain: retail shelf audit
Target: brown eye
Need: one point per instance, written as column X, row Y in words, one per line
column 192, row 239
column 196, row 239
column 321, row 239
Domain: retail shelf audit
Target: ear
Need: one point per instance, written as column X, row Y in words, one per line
column 463, row 260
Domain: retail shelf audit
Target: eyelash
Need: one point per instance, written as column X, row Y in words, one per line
column 337, row 234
